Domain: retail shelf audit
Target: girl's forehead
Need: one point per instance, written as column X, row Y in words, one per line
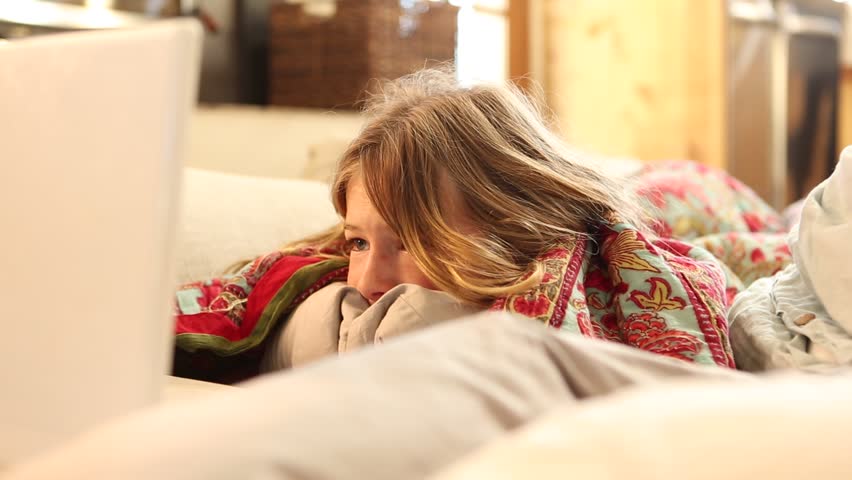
column 361, row 214
column 447, row 194
column 358, row 203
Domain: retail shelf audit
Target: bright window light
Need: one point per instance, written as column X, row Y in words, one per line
column 482, row 38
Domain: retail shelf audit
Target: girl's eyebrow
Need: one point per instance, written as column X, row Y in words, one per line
column 350, row 227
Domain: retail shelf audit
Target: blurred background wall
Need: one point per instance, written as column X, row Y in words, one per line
column 762, row 88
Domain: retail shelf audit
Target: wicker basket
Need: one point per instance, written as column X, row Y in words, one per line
column 328, row 62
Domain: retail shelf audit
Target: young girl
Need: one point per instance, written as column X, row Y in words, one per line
column 465, row 190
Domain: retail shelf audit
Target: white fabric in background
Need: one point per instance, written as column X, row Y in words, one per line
column 823, row 249
column 779, row 323
column 802, row 317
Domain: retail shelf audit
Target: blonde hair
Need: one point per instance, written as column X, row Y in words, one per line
column 428, row 140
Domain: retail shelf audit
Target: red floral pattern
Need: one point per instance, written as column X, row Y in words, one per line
column 749, row 256
column 531, row 305
column 665, row 297
column 687, row 200
column 715, row 211
column 649, row 331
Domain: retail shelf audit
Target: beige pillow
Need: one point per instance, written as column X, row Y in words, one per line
column 789, row 427
column 227, row 217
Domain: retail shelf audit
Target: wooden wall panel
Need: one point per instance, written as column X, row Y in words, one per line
column 844, row 113
column 519, row 42
column 642, row 79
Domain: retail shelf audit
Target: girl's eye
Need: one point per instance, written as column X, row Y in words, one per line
column 357, row 244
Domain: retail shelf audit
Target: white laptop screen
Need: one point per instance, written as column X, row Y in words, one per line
column 92, row 127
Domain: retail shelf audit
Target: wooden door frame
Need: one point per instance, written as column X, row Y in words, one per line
column 518, row 49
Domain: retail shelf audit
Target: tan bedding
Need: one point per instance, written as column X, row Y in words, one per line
column 337, row 319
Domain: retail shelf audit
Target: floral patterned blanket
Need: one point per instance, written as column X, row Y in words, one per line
column 709, row 208
column 663, row 296
column 652, row 290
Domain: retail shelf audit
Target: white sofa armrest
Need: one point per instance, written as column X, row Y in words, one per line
column 227, row 218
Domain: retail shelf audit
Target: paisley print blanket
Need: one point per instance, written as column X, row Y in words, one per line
column 651, row 290
column 663, row 296
column 659, row 295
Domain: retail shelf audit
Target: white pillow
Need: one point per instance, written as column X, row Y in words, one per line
column 227, row 218
column 789, row 427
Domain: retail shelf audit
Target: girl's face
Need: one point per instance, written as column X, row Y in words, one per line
column 378, row 260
